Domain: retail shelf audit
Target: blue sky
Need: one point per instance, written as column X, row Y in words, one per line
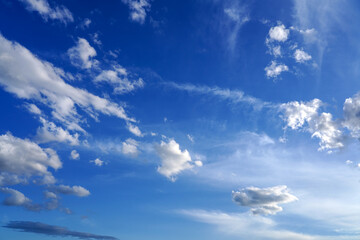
column 154, row 119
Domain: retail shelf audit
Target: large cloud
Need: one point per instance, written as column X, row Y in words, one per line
column 263, row 200
column 21, row 159
column 60, row 13
column 41, row 81
column 173, row 160
column 51, row 230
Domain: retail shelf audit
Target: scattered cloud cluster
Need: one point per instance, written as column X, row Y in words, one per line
column 18, row 199
column 173, row 160
column 138, row 9
column 51, row 230
column 74, row 190
column 119, row 79
column 279, row 33
column 43, row 7
column 263, row 201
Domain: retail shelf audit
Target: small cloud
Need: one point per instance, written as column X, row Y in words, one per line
column 130, row 147
column 134, row 130
column 301, row 56
column 74, row 155
column 138, row 9
column 275, row 69
column 81, row 55
column 97, row 162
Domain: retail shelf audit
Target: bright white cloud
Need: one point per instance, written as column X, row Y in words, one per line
column 97, row 162
column 40, row 81
column 74, row 190
column 173, row 160
column 119, row 79
column 297, row 114
column 74, row 155
column 275, row 69
column 276, row 51
column 33, row 109
column 301, row 56
column 279, row 33
column 43, row 7
column 82, row 53
column 263, row 200
column 351, row 110
column 130, row 147
column 138, row 9
column 22, row 159
column 49, row 132
column 134, row 129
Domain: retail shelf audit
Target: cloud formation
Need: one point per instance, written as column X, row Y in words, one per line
column 263, row 201
column 130, row 147
column 22, row 159
column 74, row 190
column 82, row 53
column 41, row 81
column 301, row 56
column 275, row 69
column 43, row 7
column 173, row 160
column 138, row 9
column 279, row 33
column 51, row 230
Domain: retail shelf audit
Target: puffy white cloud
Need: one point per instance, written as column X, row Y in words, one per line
column 74, row 155
column 41, row 81
column 263, row 200
column 297, row 114
column 276, row 51
column 74, row 190
column 173, row 160
column 138, row 9
column 351, row 110
column 275, row 69
column 43, row 7
column 301, row 56
column 82, row 53
column 118, row 78
column 21, row 159
column 130, row 147
column 49, row 132
column 97, row 162
column 17, row 198
column 279, row 33
column 134, row 129
column 33, row 109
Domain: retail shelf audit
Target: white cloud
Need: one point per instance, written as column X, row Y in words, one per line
column 118, row 78
column 50, row 195
column 301, row 56
column 297, row 114
column 17, row 198
column 238, row 16
column 130, row 147
column 138, row 9
column 351, row 110
column 97, row 162
column 245, row 226
column 81, row 54
column 74, row 155
column 21, row 159
column 276, row 51
column 74, row 190
column 173, row 160
column 49, row 132
column 33, row 109
column 263, row 200
column 85, row 23
column 275, row 69
column 40, row 81
column 60, row 13
column 134, row 129
column 279, row 33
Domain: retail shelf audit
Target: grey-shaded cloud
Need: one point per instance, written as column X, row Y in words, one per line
column 52, row 230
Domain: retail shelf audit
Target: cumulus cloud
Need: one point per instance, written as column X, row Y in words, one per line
column 17, row 198
column 21, row 159
column 119, row 80
column 41, row 81
column 298, row 114
column 74, row 190
column 173, row 160
column 82, row 53
column 130, row 147
column 301, row 56
column 279, row 33
column 51, row 230
column 351, row 110
column 97, row 162
column 274, row 69
column 43, row 7
column 138, row 9
column 49, row 132
column 263, row 200
column 74, row 155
